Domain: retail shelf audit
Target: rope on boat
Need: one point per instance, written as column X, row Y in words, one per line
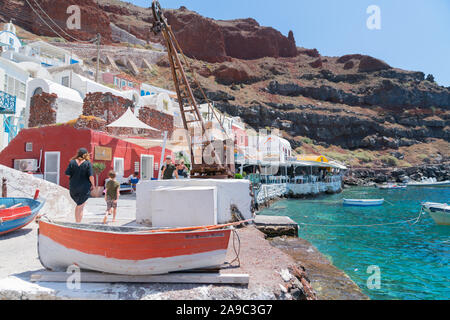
column 237, row 252
column 416, row 220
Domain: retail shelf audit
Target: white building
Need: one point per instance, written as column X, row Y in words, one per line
column 148, row 90
column 69, row 104
column 43, row 53
column 9, row 39
column 13, row 93
column 69, row 76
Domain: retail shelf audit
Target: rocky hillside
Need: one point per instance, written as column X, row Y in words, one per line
column 349, row 107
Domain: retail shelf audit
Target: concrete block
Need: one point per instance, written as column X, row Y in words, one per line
column 229, row 193
column 184, row 207
column 58, row 202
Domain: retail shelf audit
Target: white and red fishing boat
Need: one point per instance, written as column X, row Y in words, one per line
column 130, row 250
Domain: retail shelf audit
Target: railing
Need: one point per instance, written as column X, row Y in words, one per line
column 10, row 127
column 254, row 178
column 7, row 103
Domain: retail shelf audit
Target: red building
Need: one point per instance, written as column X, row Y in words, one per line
column 46, row 152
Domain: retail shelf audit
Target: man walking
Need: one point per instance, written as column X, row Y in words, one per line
column 169, row 169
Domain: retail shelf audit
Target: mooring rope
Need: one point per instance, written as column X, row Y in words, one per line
column 416, row 220
column 236, row 252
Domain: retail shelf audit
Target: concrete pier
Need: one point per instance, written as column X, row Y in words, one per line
column 276, row 226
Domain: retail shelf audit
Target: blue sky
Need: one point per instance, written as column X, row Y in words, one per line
column 414, row 34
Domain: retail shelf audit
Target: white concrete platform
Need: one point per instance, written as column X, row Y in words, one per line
column 183, row 207
column 230, row 193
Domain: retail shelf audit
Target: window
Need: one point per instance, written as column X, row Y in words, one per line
column 22, row 90
column 14, row 87
column 37, row 91
column 65, row 81
column 124, row 83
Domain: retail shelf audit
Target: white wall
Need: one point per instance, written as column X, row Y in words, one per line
column 67, row 110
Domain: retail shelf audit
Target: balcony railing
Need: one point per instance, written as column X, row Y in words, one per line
column 7, row 103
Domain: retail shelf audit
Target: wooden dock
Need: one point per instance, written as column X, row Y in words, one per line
column 97, row 277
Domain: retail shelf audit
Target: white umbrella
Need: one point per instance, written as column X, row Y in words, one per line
column 129, row 120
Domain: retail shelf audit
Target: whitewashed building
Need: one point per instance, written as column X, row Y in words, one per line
column 8, row 38
column 13, row 93
column 69, row 104
column 43, row 53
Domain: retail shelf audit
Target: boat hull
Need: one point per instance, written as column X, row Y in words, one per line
column 363, row 203
column 129, row 253
column 16, row 224
column 392, row 187
column 439, row 212
column 431, row 184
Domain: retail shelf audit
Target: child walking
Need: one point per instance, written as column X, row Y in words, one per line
column 111, row 196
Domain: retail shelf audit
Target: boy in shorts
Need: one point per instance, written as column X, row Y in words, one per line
column 111, row 196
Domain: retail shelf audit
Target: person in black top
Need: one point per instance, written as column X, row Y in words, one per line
column 81, row 175
column 169, row 169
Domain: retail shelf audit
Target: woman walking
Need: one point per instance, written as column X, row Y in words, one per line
column 82, row 182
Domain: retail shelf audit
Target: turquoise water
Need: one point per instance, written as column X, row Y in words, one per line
column 413, row 259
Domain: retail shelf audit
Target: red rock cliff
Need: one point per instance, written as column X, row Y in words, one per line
column 93, row 18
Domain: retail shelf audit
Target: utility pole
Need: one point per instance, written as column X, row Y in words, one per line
column 98, row 56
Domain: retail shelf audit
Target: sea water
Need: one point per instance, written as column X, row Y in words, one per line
column 384, row 249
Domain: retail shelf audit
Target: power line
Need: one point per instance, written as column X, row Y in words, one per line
column 43, row 20
column 58, row 25
column 58, row 34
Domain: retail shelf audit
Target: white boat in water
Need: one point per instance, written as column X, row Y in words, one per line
column 431, row 182
column 391, row 186
column 440, row 212
column 363, row 202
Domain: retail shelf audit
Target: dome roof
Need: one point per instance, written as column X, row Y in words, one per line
column 9, row 27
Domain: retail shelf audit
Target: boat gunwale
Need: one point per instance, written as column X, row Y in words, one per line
column 137, row 231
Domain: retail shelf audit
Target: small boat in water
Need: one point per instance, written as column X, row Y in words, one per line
column 363, row 202
column 130, row 250
column 440, row 212
column 431, row 182
column 16, row 213
column 392, row 186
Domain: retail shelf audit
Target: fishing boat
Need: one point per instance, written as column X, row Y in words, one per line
column 16, row 213
column 440, row 212
column 130, row 250
column 431, row 182
column 391, row 186
column 363, row 202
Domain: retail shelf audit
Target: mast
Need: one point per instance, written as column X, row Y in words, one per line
column 189, row 110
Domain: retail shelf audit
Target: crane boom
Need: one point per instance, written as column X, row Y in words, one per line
column 190, row 114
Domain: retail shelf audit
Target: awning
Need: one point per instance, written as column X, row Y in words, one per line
column 129, row 120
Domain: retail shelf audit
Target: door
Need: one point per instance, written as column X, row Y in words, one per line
column 146, row 167
column 52, row 165
column 119, row 168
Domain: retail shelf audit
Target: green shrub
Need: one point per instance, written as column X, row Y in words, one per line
column 238, row 176
column 307, row 140
column 341, row 157
column 389, row 160
column 364, row 156
column 98, row 167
